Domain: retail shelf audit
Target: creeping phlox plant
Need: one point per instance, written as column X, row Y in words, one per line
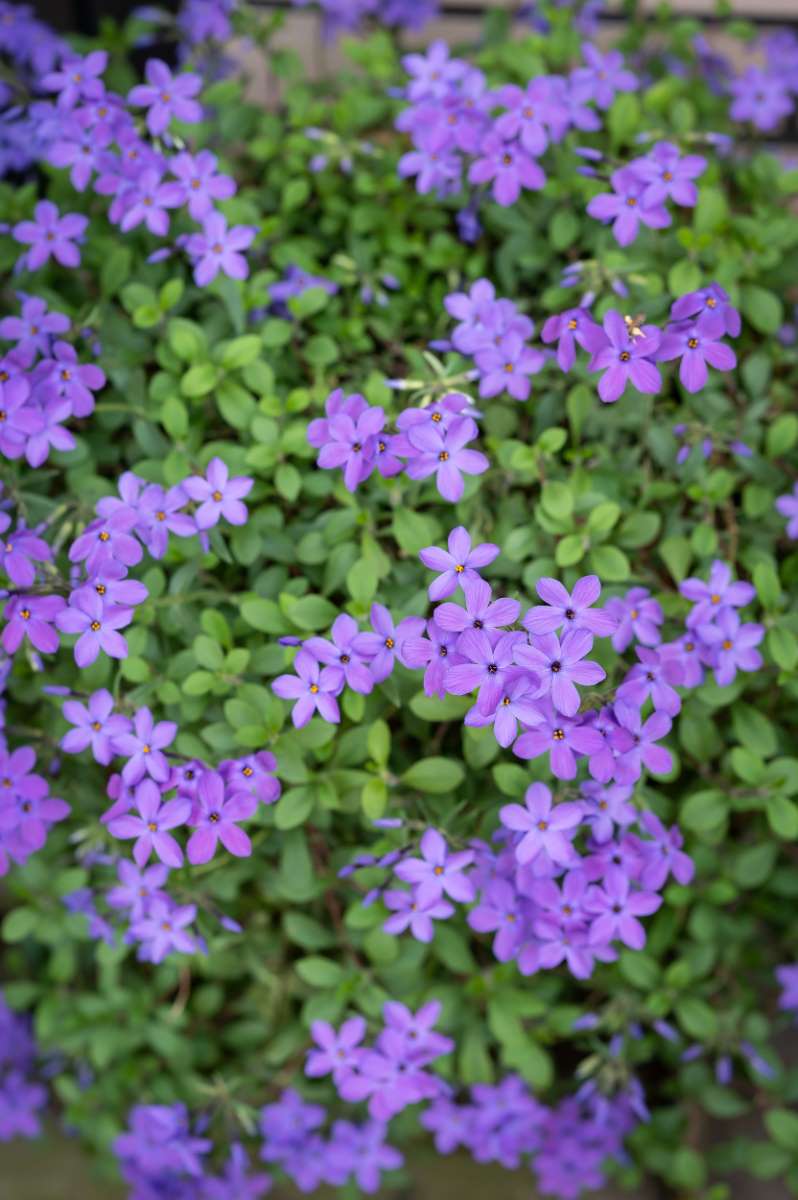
column 397, row 656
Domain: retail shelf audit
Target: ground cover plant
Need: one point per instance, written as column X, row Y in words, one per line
column 398, row 627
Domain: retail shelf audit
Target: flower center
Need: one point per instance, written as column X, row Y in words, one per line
column 726, row 644
column 692, row 343
column 436, row 416
column 314, row 687
column 217, row 496
column 104, row 535
column 492, row 668
column 624, row 356
column 247, row 771
column 25, row 614
column 558, row 735
column 715, row 598
column 711, row 302
column 459, row 568
column 389, row 643
column 507, row 159
column 213, row 817
column 572, row 324
column 555, row 667
column 438, row 871
column 631, row 201
column 100, row 589
column 667, row 176
column 96, row 726
column 216, row 248
column 160, row 516
column 443, row 456
column 569, row 614
column 95, row 625
column 506, row 700
column 152, row 826
column 543, row 826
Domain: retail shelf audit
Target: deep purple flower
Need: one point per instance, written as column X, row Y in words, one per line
column 162, row 929
column 337, row 1051
column 572, row 610
column 107, row 538
column 434, row 161
column 72, row 380
column 237, row 1180
column 559, row 667
column 51, row 234
column 433, row 73
column 150, row 827
column 508, row 167
column 499, row 911
column 527, row 116
column 19, row 418
column 617, row 909
column 137, row 888
column 787, row 976
column 143, row 747
column 98, row 624
column 217, row 495
column 215, row 817
column 166, row 96
column 218, row 248
column 544, row 827
column 761, row 98
column 78, row 79
column 637, row 740
column 96, row 725
column 31, row 617
column 696, row 344
column 438, row 872
column 159, row 514
column 573, row 327
column 437, row 652
column 457, row 564
column 516, row 703
column 444, row 454
column 146, row 199
column 663, row 855
column 313, row 687
column 487, row 667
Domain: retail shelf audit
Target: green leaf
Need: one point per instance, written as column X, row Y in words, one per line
column 704, row 812
column 557, row 499
column 609, row 563
column 624, row 118
column 676, row 553
column 761, row 308
column 311, row 612
column 782, row 817
column 570, row 550
column 782, row 1125
column 319, row 972
column 697, row 1018
column 684, row 277
column 413, row 531
column 199, row 380
column 434, row 775
column 19, row 924
column 240, row 352
column 782, row 646
column 781, row 435
column 294, row 807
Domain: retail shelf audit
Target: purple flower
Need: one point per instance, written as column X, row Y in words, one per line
column 561, row 738
column 146, row 199
column 573, row 327
column 506, row 367
column 432, row 74
column 508, row 167
column 638, row 616
column 50, row 234
column 618, row 909
column 217, row 495
column 18, row 416
column 19, row 551
column 107, row 538
column 96, row 725
column 515, row 703
column 712, row 299
column 637, row 741
column 604, row 75
column 559, row 667
column 626, row 207
column 761, row 98
column 437, row 652
column 787, row 976
column 443, row 453
column 351, row 444
column 341, row 652
column 434, row 161
column 626, row 358
column 163, row 928
column 656, row 675
column 669, row 176
column 732, row 645
column 545, row 828
column 696, row 343
column 166, row 96
column 150, row 828
column 33, row 328
column 499, row 911
column 313, row 687
column 528, row 113
column 414, row 912
column 719, row 592
column 663, row 856
column 480, row 612
column 237, row 1180
column 143, row 747
column 218, row 248
column 487, row 668
column 31, row 617
column 159, row 514
column 458, row 564
column 438, row 872
column 386, row 642
column 98, row 624
column 337, row 1053
column 72, row 380
column 573, row 610
column 787, row 505
column 78, row 80
column 138, row 888
column 215, row 817
column 196, row 175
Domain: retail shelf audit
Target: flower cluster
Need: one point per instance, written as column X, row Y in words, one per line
column 42, row 383
column 391, row 1074
column 99, row 137
column 21, row 1097
column 464, row 131
column 27, row 810
column 433, row 441
column 641, row 189
column 33, row 48
column 567, row 1146
column 765, row 94
column 495, row 334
